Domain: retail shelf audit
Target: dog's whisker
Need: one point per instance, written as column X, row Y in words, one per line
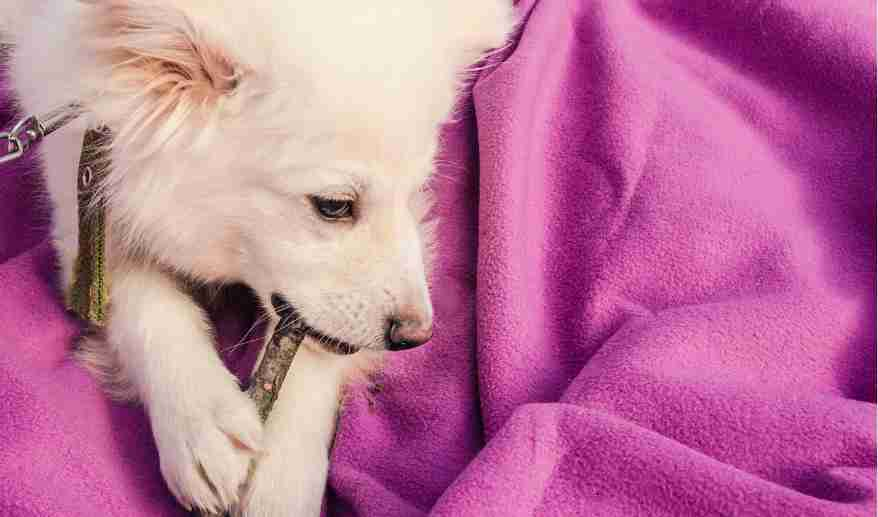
column 243, row 340
column 288, row 324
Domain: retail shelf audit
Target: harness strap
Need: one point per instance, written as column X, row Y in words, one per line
column 88, row 296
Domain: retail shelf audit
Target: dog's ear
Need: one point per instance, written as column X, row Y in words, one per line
column 158, row 59
column 164, row 45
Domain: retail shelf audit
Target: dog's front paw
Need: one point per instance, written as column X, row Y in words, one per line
column 206, row 443
column 287, row 483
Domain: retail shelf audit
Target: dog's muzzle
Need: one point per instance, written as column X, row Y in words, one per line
column 289, row 317
column 402, row 333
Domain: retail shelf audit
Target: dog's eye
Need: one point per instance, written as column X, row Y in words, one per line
column 333, row 209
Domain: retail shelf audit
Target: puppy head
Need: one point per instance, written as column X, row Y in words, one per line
column 286, row 145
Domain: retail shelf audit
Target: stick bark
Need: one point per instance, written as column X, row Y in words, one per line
column 270, row 374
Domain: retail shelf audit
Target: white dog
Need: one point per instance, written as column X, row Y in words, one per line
column 283, row 144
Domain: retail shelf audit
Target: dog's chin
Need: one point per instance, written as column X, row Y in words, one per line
column 290, row 317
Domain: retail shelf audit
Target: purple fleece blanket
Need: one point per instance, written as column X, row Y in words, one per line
column 655, row 292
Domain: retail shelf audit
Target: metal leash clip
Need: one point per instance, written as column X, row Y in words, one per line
column 30, row 130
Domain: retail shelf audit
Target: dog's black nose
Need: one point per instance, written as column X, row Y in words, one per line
column 403, row 334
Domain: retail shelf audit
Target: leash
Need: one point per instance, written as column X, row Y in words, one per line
column 87, row 297
column 30, row 130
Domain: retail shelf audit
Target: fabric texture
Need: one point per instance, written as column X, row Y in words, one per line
column 654, row 293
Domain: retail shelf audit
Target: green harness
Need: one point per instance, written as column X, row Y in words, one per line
column 87, row 296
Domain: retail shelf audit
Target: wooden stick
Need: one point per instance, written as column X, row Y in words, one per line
column 272, row 370
column 269, row 376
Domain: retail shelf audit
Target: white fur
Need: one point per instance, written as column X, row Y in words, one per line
column 227, row 116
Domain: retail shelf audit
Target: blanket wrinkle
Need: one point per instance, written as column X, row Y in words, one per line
column 654, row 290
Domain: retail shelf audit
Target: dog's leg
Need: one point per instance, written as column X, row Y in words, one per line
column 290, row 478
column 206, row 429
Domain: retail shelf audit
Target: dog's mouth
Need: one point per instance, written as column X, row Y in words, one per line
column 289, row 316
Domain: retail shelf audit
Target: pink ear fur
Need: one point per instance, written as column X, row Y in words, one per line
column 160, row 65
